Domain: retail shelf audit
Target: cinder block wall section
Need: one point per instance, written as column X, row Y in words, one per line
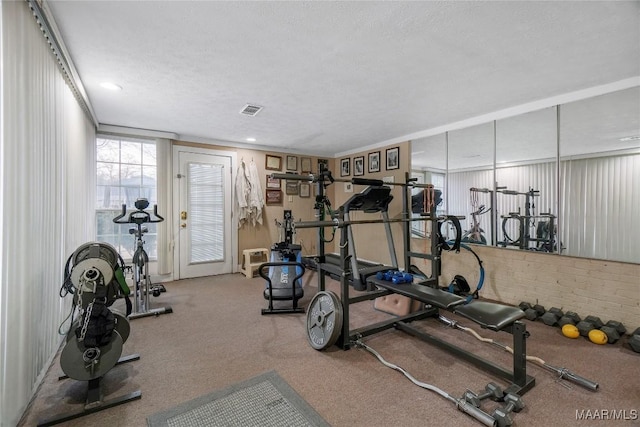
column 607, row 289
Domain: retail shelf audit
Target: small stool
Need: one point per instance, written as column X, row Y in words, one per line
column 251, row 260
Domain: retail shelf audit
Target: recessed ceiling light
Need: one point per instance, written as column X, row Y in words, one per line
column 110, row 86
column 630, row 138
column 251, row 139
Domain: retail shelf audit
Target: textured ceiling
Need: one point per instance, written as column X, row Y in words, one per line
column 337, row 76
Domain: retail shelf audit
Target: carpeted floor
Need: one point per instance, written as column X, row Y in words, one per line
column 217, row 337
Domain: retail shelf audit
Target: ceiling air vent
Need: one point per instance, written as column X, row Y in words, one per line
column 250, row 110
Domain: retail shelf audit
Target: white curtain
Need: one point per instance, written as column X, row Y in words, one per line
column 47, row 199
column 601, row 207
column 164, row 191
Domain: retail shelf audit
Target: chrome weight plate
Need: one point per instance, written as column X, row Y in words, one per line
column 83, row 364
column 96, row 250
column 89, row 270
column 324, row 320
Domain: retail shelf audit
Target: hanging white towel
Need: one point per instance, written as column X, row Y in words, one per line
column 243, row 189
column 256, row 200
column 249, row 199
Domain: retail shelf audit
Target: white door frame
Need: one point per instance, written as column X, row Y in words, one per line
column 175, row 227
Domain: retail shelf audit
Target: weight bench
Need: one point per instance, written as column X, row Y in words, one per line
column 493, row 316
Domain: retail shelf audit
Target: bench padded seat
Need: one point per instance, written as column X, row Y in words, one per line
column 434, row 297
column 490, row 315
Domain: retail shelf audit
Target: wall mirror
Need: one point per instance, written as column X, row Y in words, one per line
column 600, row 176
column 563, row 179
column 470, row 180
column 526, row 185
column 429, row 160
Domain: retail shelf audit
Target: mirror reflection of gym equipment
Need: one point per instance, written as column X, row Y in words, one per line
column 475, row 233
column 528, row 230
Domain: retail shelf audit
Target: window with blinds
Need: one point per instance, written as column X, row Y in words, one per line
column 206, row 212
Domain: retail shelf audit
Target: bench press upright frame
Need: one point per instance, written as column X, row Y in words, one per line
column 520, row 381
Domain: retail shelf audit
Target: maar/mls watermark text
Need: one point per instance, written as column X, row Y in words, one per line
column 606, row 414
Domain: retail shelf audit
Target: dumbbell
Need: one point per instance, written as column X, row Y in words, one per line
column 588, row 324
column 492, row 390
column 385, row 275
column 531, row 313
column 614, row 330
column 552, row 316
column 634, row 341
column 524, row 306
column 400, row 277
column 569, row 318
column 514, row 403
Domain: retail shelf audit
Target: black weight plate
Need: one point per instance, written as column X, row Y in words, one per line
column 324, row 320
column 74, row 365
column 122, row 325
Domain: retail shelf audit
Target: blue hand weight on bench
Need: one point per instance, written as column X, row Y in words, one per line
column 397, row 279
column 380, row 275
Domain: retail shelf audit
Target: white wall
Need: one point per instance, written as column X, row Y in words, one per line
column 46, row 204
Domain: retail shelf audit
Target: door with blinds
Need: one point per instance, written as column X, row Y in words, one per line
column 204, row 221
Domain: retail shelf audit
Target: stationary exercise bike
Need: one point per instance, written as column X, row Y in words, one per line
column 141, row 276
column 476, row 234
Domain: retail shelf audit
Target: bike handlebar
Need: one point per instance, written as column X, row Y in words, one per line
column 138, row 217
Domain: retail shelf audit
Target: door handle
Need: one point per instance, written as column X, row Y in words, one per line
column 183, row 225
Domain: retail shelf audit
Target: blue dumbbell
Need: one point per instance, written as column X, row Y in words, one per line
column 398, row 279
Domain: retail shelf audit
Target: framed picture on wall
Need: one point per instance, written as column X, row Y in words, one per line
column 274, row 197
column 345, row 167
column 393, row 158
column 358, row 166
column 273, row 183
column 273, row 163
column 305, row 164
column 374, row 162
column 292, row 163
column 305, row 189
column 291, row 187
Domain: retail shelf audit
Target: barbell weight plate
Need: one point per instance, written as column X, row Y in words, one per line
column 80, row 269
column 122, row 325
column 72, row 331
column 74, row 365
column 96, row 250
column 324, row 320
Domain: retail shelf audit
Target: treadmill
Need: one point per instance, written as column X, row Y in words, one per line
column 372, row 199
